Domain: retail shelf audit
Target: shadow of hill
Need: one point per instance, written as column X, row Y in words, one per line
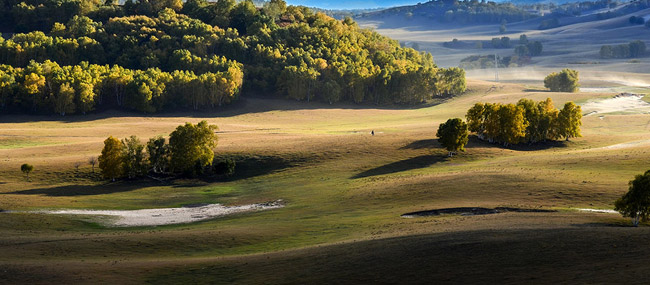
column 403, row 165
column 84, row 190
column 430, row 143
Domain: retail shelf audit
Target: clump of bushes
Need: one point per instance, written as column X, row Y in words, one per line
column 565, row 81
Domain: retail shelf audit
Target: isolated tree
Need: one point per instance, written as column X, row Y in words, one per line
column 569, row 121
column 636, row 202
column 453, row 135
column 565, row 81
column 26, row 168
column 92, row 161
column 111, row 162
column 134, row 161
column 191, row 146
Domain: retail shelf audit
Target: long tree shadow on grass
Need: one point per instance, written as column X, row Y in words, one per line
column 85, row 190
column 403, row 165
column 475, row 142
column 420, row 144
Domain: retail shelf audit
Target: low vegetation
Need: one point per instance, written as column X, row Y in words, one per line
column 566, row 80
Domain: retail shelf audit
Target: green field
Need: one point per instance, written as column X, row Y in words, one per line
column 344, row 192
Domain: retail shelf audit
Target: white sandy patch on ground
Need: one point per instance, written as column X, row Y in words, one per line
column 628, row 104
column 165, row 216
column 598, row 211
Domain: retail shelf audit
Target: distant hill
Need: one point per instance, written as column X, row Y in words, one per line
column 465, row 12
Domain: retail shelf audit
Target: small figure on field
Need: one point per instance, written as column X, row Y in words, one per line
column 372, row 132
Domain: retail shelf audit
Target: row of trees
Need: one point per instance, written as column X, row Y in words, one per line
column 524, row 122
column 566, row 80
column 189, row 152
column 49, row 88
column 463, row 12
column 286, row 50
column 632, row 49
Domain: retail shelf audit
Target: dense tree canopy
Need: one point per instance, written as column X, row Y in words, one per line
column 158, row 55
column 636, row 202
column 524, row 122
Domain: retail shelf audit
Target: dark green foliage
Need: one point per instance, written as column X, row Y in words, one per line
column 453, row 135
column 636, row 202
column 225, row 167
column 565, row 81
column 632, row 49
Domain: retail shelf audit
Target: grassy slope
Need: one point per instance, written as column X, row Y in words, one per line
column 347, row 186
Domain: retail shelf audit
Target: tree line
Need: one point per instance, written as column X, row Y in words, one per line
column 630, row 50
column 47, row 88
column 463, row 12
column 524, row 122
column 188, row 152
column 281, row 50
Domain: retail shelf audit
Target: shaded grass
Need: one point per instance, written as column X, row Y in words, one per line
column 594, row 254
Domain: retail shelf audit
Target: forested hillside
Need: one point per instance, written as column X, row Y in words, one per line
column 75, row 56
column 462, row 12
